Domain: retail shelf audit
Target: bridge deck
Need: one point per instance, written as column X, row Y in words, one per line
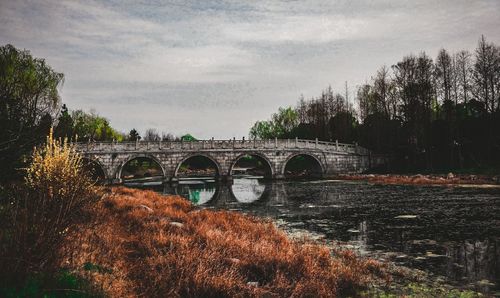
column 271, row 144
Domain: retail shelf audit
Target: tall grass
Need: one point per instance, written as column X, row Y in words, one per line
column 151, row 245
column 40, row 211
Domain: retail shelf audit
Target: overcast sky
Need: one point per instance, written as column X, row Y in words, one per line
column 213, row 68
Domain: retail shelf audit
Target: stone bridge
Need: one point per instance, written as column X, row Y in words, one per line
column 330, row 158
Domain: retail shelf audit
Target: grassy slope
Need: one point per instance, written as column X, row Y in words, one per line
column 132, row 246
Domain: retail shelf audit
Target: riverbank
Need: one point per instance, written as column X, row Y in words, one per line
column 419, row 179
column 141, row 243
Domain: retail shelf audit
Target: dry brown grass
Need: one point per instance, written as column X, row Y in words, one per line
column 133, row 238
column 423, row 179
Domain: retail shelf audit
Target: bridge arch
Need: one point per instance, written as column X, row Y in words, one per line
column 199, row 196
column 259, row 156
column 96, row 168
column 215, row 163
column 137, row 156
column 312, row 160
column 260, row 192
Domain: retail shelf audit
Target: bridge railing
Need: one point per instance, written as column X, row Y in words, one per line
column 220, row 144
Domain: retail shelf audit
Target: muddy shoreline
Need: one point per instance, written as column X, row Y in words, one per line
column 403, row 280
column 431, row 179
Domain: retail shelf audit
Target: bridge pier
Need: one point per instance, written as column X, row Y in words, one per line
column 225, row 178
column 173, row 180
column 113, row 181
column 279, row 176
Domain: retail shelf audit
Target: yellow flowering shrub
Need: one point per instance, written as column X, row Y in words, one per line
column 56, row 193
column 57, row 169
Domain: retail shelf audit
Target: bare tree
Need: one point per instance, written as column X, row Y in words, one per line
column 414, row 80
column 151, row 135
column 168, row 136
column 382, row 86
column 463, row 67
column 365, row 99
column 454, row 82
column 444, row 75
column 486, row 74
column 301, row 109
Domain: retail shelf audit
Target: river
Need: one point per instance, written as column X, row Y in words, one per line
column 452, row 233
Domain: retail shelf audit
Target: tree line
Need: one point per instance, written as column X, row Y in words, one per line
column 426, row 114
column 84, row 126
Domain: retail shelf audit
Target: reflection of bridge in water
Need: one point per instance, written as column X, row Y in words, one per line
column 325, row 158
column 220, row 195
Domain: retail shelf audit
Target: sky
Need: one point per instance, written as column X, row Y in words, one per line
column 212, row 68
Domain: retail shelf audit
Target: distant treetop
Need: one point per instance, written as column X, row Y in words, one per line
column 188, row 138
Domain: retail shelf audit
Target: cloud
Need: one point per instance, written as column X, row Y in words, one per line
column 298, row 29
column 214, row 67
column 211, row 63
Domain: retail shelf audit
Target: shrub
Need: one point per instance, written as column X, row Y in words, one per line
column 59, row 284
column 40, row 211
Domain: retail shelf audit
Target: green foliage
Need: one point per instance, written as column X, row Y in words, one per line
column 29, row 99
column 133, row 135
column 64, row 128
column 88, row 266
column 91, row 126
column 262, row 130
column 188, row 138
column 85, row 126
column 281, row 125
column 284, row 121
column 60, row 284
